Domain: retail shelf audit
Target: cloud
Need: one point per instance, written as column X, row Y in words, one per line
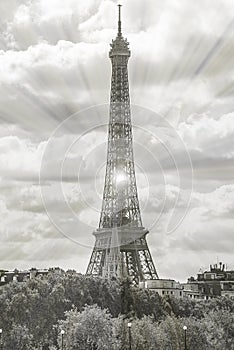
column 20, row 159
column 54, row 74
column 205, row 233
column 53, row 63
column 45, row 84
column 212, row 137
column 29, row 22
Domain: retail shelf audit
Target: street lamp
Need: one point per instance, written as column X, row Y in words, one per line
column 185, row 337
column 1, row 338
column 62, row 334
column 130, row 335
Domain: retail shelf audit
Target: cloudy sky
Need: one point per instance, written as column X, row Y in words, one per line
column 54, row 92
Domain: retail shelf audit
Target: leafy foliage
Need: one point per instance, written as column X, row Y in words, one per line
column 92, row 328
column 94, row 313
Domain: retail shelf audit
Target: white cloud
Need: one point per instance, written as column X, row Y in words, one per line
column 30, row 22
column 217, row 203
column 205, row 234
column 20, row 158
column 54, row 61
column 212, row 137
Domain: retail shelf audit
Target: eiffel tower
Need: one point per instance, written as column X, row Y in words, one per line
column 121, row 248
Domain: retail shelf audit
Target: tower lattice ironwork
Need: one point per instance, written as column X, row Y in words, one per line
column 121, row 248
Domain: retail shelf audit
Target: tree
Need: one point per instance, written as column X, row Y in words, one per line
column 31, row 311
column 147, row 302
column 91, row 329
column 18, row 338
column 218, row 326
column 143, row 333
column 170, row 332
column 196, row 334
column 126, row 297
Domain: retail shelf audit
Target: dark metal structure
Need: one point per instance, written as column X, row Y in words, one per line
column 121, row 248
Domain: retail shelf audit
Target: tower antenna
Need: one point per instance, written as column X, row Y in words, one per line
column 119, row 22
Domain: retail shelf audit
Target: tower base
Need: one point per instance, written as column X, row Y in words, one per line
column 122, row 252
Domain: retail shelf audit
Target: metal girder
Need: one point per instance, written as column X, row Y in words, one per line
column 120, row 213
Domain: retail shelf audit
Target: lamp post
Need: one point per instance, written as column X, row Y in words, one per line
column 185, row 337
column 62, row 335
column 130, row 335
column 1, row 338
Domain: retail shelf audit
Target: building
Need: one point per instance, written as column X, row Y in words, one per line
column 164, row 287
column 20, row 276
column 191, row 290
column 217, row 281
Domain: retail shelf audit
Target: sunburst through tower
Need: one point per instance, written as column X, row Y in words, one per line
column 121, row 248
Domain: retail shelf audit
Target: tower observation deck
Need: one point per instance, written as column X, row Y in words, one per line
column 120, row 248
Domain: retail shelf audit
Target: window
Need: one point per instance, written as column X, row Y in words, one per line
column 3, row 279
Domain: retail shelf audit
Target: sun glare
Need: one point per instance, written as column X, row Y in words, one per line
column 120, row 178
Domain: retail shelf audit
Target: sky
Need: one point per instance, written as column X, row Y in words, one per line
column 54, row 92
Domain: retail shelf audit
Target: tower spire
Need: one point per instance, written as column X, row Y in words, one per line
column 119, row 22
